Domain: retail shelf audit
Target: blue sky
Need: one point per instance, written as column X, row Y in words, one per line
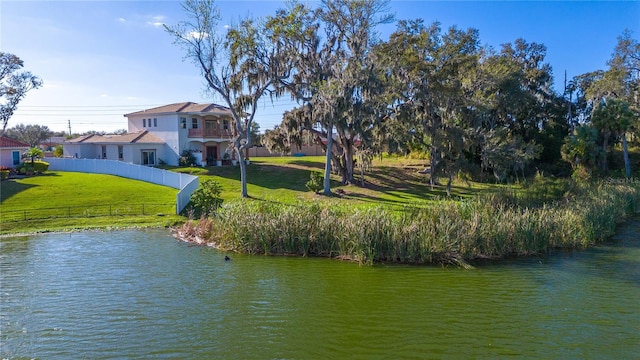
column 102, row 59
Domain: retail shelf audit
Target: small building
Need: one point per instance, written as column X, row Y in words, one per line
column 139, row 147
column 11, row 151
column 162, row 134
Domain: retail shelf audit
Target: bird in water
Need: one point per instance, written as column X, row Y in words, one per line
column 226, row 258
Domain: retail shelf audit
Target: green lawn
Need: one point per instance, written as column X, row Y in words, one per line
column 393, row 181
column 70, row 200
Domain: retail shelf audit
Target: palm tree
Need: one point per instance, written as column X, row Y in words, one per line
column 34, row 153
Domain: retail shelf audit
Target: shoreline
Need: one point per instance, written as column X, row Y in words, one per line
column 453, row 232
column 452, row 259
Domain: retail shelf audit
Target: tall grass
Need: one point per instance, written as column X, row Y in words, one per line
column 491, row 226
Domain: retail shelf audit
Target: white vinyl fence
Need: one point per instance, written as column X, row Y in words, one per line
column 186, row 184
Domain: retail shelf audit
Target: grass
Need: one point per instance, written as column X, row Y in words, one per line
column 395, row 217
column 490, row 226
column 395, row 182
column 60, row 201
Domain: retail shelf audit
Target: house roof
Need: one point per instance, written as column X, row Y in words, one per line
column 6, row 142
column 139, row 137
column 185, row 108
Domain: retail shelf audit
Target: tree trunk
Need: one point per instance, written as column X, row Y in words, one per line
column 327, row 165
column 605, row 142
column 449, row 185
column 348, row 162
column 625, row 154
column 433, row 165
column 243, row 173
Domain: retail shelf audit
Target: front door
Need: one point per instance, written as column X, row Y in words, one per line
column 16, row 157
column 212, row 155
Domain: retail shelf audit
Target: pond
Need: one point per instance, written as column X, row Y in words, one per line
column 142, row 294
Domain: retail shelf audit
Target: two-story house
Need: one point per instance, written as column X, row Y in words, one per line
column 163, row 134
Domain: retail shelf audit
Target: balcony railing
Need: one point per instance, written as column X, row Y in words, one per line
column 207, row 133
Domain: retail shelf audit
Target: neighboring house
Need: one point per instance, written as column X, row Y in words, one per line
column 51, row 143
column 11, row 152
column 162, row 134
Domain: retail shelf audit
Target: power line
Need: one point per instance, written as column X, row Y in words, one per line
column 88, row 106
column 264, row 102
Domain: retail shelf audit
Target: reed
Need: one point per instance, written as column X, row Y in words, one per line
column 492, row 226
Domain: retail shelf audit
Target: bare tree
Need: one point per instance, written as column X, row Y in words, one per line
column 240, row 66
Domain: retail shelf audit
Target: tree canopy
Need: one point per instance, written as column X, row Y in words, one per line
column 469, row 109
column 14, row 85
column 29, row 134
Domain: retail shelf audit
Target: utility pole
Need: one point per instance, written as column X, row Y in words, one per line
column 69, row 121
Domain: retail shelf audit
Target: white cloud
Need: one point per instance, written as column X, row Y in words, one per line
column 156, row 21
column 122, row 20
column 104, row 95
column 197, row 35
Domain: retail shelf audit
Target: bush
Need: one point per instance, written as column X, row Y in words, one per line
column 4, row 174
column 449, row 232
column 315, row 182
column 40, row 166
column 186, row 159
column 26, row 170
column 581, row 174
column 58, row 151
column 206, row 200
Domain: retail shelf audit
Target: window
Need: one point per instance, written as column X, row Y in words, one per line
column 144, row 122
column 183, row 122
column 148, row 157
column 104, row 151
column 194, row 123
column 16, row 157
column 120, row 152
column 155, row 122
column 225, row 124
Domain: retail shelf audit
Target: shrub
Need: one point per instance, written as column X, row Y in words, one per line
column 40, row 166
column 58, row 151
column 26, row 170
column 581, row 174
column 4, row 174
column 315, row 182
column 449, row 232
column 33, row 154
column 206, row 200
column 186, row 159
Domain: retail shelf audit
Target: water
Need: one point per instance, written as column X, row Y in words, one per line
column 141, row 294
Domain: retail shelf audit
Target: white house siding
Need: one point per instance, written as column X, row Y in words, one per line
column 167, row 129
column 6, row 156
column 112, row 151
column 80, row 151
column 135, row 153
